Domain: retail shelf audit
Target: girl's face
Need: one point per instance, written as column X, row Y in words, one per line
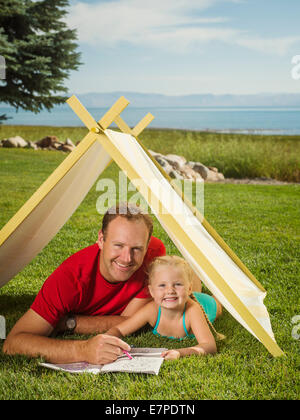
column 169, row 287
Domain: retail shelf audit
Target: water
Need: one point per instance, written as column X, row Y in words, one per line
column 255, row 120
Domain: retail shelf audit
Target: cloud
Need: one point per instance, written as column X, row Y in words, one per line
column 278, row 46
column 141, row 23
column 172, row 25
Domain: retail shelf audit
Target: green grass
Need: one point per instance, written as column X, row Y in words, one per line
column 260, row 223
column 235, row 155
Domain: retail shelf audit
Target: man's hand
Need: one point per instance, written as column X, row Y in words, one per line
column 103, row 349
column 31, row 336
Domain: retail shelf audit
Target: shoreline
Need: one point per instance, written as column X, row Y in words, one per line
column 234, row 131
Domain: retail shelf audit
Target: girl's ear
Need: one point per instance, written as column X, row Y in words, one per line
column 150, row 290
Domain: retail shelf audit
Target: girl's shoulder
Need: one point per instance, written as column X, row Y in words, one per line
column 152, row 311
column 193, row 308
column 151, row 305
column 191, row 304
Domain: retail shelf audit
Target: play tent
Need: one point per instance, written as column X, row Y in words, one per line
column 41, row 217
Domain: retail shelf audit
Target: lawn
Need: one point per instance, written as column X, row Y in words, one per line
column 260, row 223
column 235, row 155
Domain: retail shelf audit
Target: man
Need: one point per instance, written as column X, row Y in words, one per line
column 92, row 291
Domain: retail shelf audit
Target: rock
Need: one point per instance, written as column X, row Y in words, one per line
column 69, row 142
column 163, row 163
column 177, row 167
column 175, row 174
column 47, row 141
column 57, row 145
column 190, row 173
column 214, row 176
column 153, row 153
column 31, row 145
column 176, row 161
column 199, row 168
column 16, row 141
column 66, row 148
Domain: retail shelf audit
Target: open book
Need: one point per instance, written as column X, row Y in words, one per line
column 144, row 360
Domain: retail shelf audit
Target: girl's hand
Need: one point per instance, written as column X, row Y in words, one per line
column 170, row 354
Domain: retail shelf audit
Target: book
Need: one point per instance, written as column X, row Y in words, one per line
column 144, row 360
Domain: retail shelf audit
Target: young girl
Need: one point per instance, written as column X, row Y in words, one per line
column 175, row 311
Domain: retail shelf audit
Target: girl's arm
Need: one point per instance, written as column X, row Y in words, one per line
column 135, row 322
column 206, row 342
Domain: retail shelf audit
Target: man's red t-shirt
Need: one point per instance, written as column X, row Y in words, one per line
column 78, row 287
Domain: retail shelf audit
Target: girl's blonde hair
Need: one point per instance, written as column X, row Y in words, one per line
column 178, row 262
column 173, row 261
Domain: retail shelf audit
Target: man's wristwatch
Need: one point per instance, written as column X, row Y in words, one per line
column 70, row 324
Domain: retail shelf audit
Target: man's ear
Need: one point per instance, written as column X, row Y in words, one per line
column 100, row 239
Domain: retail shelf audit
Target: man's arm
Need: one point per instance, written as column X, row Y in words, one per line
column 30, row 336
column 86, row 324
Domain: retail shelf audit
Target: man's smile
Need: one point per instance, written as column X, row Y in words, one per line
column 123, row 267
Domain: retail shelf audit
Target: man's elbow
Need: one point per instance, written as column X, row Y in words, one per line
column 8, row 347
column 12, row 345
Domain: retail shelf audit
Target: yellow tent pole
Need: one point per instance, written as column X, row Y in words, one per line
column 107, row 118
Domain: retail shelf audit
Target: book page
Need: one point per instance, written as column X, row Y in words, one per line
column 144, row 352
column 136, row 365
column 79, row 367
column 144, row 360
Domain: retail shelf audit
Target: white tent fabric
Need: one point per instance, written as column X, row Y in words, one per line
column 156, row 189
column 33, row 228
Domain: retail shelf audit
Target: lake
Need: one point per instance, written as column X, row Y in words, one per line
column 256, row 120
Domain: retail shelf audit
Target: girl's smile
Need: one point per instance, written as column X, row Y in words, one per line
column 169, row 288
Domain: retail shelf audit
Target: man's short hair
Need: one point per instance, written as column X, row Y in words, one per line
column 130, row 212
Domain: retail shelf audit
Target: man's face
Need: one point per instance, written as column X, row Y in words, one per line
column 123, row 250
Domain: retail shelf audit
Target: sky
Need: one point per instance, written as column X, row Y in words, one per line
column 182, row 47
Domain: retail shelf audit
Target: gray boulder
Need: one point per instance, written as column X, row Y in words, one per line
column 16, row 141
column 176, row 161
column 48, row 141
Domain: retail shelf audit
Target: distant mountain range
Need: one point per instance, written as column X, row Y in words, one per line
column 145, row 100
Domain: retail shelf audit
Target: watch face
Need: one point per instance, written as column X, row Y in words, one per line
column 71, row 323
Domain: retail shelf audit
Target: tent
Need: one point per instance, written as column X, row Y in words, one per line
column 41, row 217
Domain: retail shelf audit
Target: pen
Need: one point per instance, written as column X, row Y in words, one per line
column 127, row 354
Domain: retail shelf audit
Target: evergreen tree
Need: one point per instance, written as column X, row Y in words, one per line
column 39, row 52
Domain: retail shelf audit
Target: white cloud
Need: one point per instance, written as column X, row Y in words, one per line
column 164, row 24
column 277, row 46
column 139, row 22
